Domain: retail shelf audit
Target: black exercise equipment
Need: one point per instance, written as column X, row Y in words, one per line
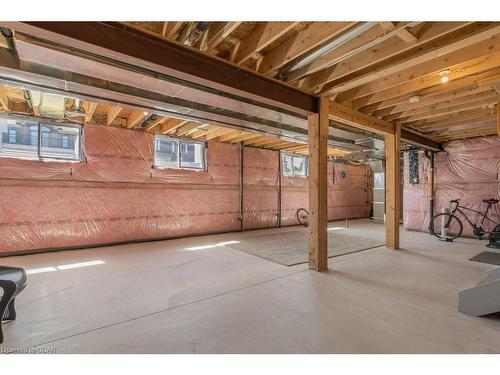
column 494, row 238
column 12, row 280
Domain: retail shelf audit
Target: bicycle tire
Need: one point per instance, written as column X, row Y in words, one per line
column 452, row 221
column 301, row 215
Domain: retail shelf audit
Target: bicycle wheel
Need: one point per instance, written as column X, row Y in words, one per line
column 446, row 226
column 302, row 217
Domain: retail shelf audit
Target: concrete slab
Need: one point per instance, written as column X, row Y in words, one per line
column 199, row 295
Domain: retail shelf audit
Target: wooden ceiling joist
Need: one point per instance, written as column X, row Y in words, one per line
column 264, row 34
column 112, row 113
column 382, row 51
column 456, row 41
column 303, row 42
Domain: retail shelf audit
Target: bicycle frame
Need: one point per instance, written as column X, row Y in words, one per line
column 484, row 216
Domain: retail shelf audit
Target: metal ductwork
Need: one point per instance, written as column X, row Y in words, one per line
column 190, row 36
column 48, row 105
column 76, row 109
column 329, row 46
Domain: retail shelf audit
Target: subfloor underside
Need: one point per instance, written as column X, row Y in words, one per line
column 202, row 295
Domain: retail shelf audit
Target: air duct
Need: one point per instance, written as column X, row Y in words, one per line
column 190, row 36
column 326, row 48
column 48, row 105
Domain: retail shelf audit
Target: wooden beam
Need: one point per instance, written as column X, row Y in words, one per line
column 135, row 118
column 263, row 35
column 362, row 42
column 406, row 36
column 387, row 49
column 171, row 29
column 246, row 137
column 158, row 121
column 307, row 39
column 318, row 128
column 432, row 94
column 171, row 124
column 448, row 106
column 178, row 59
column 4, row 101
column 468, row 133
column 351, row 117
column 217, row 133
column 447, row 45
column 89, row 108
column 420, row 140
column 345, row 115
column 457, row 72
column 455, row 62
column 217, row 32
column 185, row 129
column 113, row 112
column 392, row 187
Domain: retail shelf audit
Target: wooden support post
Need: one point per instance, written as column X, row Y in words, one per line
column 392, row 191
column 318, row 187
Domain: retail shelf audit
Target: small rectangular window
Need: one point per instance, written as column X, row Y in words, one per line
column 16, row 139
column 287, row 161
column 177, row 153
column 60, row 141
column 192, row 155
column 19, row 139
column 294, row 165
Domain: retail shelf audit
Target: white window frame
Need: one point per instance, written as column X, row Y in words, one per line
column 39, row 125
column 293, row 174
column 180, row 141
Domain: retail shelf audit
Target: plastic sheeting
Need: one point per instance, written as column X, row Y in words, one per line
column 468, row 170
column 115, row 195
column 260, row 188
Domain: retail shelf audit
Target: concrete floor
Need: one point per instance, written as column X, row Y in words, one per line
column 184, row 296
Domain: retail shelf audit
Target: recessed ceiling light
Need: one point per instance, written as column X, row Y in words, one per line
column 414, row 99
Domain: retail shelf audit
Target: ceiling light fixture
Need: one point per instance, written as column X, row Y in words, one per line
column 444, row 76
column 414, row 99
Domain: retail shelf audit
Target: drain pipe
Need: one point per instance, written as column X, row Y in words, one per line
column 430, row 156
column 328, row 47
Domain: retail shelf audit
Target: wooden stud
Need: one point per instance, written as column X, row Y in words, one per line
column 392, row 189
column 318, row 187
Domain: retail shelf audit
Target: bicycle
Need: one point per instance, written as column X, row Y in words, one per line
column 303, row 216
column 447, row 226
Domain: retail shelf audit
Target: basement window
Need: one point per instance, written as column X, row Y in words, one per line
column 294, row 165
column 178, row 153
column 29, row 139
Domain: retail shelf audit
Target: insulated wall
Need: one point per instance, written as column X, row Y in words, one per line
column 349, row 192
column 260, row 188
column 115, row 195
column 467, row 170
